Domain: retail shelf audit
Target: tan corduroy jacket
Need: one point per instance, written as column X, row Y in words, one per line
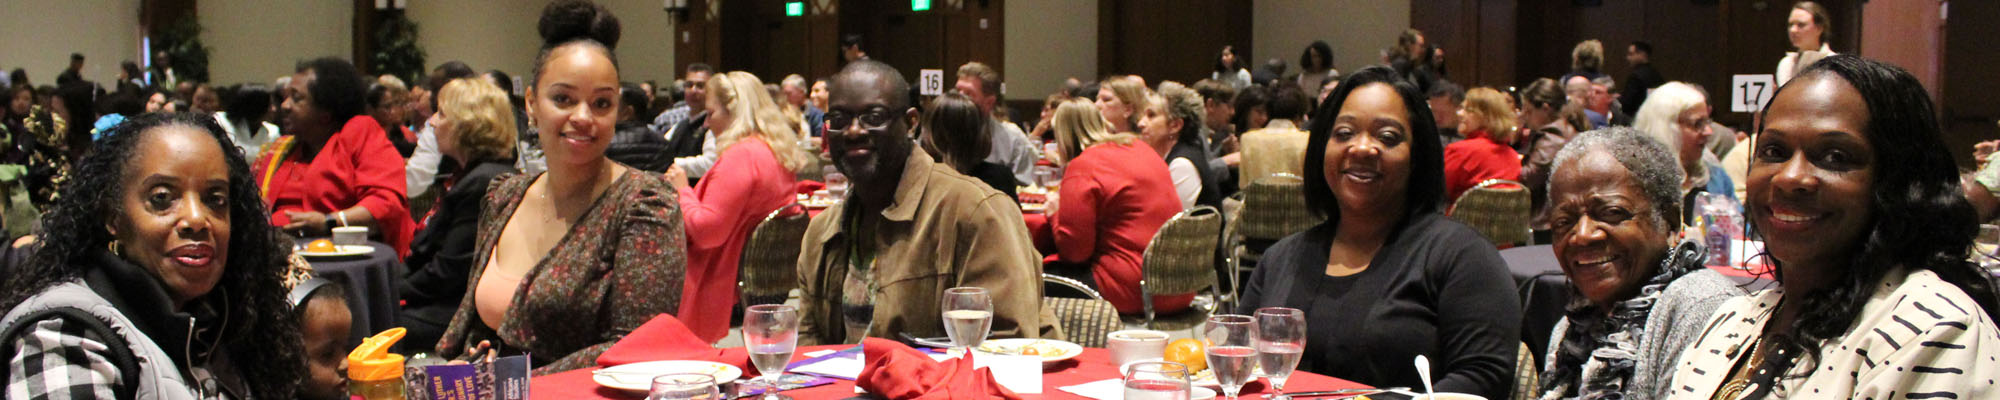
column 944, row 230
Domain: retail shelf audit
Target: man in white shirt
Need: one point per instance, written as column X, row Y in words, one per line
column 1011, row 147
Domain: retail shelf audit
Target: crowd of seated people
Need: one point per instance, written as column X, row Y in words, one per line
column 558, row 221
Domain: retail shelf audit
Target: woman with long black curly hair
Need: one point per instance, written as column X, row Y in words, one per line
column 157, row 276
column 1869, row 232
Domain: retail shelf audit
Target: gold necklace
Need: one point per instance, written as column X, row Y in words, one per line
column 1740, row 380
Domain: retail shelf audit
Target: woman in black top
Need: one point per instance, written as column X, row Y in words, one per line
column 1387, row 277
column 475, row 127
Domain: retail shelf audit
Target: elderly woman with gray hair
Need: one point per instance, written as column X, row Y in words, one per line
column 1640, row 298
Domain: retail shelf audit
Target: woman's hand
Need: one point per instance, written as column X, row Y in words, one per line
column 677, row 177
column 310, row 222
column 481, row 352
column 1049, row 203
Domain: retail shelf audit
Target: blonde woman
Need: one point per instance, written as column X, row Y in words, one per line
column 474, row 124
column 1487, row 121
column 1120, row 99
column 1116, row 193
column 753, row 175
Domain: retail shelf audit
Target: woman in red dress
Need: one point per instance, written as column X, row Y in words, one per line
column 337, row 167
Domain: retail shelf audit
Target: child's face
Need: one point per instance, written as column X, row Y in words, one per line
column 326, row 325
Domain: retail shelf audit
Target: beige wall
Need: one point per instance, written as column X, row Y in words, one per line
column 257, row 41
column 1357, row 29
column 500, row 34
column 39, row 35
column 1048, row 41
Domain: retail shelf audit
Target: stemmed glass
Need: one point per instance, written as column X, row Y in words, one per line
column 1156, row 380
column 968, row 315
column 1281, row 339
column 1230, row 338
column 771, row 331
column 686, row 386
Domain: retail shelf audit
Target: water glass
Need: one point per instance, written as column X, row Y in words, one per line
column 968, row 315
column 1157, row 380
column 1281, row 339
column 836, row 182
column 771, row 333
column 1231, row 353
column 684, row 387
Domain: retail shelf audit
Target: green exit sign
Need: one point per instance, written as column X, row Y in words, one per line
column 794, row 9
column 920, row 5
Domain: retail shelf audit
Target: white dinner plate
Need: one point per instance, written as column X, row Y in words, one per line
column 638, row 377
column 341, row 251
column 1062, row 350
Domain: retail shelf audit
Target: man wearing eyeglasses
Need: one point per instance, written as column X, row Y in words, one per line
column 877, row 264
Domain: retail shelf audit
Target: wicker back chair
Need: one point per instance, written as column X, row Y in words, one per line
column 1498, row 209
column 1273, row 207
column 1084, row 321
column 1181, row 257
column 769, row 269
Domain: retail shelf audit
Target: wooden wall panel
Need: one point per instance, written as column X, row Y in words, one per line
column 1176, row 42
column 1969, row 78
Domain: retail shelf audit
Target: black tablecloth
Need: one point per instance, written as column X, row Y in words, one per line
column 1544, row 291
column 371, row 282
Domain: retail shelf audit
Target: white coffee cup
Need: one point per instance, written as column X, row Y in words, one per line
column 350, row 236
column 1136, row 344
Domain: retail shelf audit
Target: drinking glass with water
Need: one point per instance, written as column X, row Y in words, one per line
column 1281, row 339
column 968, row 315
column 1156, row 380
column 771, row 332
column 684, row 387
column 1230, row 353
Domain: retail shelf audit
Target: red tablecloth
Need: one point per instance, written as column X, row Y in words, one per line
column 1093, row 365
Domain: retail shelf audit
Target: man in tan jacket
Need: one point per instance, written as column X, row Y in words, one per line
column 878, row 263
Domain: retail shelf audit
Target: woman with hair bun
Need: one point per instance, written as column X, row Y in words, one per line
column 571, row 259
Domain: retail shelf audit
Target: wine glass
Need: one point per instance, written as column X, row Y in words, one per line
column 771, row 333
column 1156, row 380
column 968, row 314
column 1230, row 338
column 1281, row 339
column 685, row 386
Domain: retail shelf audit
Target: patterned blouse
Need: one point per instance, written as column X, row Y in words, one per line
column 620, row 265
column 1918, row 337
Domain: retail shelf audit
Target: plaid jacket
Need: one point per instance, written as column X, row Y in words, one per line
column 58, row 360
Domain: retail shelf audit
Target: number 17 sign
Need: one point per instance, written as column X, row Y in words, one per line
column 1749, row 93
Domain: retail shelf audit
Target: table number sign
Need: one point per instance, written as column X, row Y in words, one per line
column 1749, row 93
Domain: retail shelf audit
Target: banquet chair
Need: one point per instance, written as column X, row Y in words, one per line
column 1273, row 207
column 1181, row 260
column 1084, row 321
column 1498, row 209
column 1527, row 375
column 768, row 271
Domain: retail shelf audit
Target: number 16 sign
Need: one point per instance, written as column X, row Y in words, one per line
column 1749, row 93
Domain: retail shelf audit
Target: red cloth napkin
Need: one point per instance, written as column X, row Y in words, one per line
column 897, row 372
column 665, row 338
column 807, row 187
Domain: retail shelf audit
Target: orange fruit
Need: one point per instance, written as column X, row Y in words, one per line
column 1188, row 352
column 321, row 246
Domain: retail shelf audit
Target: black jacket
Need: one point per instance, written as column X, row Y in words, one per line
column 688, row 136
column 1642, row 79
column 441, row 256
column 636, row 145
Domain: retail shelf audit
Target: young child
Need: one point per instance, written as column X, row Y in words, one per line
column 326, row 323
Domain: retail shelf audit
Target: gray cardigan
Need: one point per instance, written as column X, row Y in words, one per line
column 1674, row 324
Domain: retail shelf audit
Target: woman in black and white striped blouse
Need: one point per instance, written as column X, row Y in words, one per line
column 1862, row 216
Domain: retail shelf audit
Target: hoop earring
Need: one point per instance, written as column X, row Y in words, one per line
column 113, row 246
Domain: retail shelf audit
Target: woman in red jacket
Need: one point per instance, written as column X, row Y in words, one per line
column 1488, row 123
column 1116, row 194
column 336, row 168
column 753, row 176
